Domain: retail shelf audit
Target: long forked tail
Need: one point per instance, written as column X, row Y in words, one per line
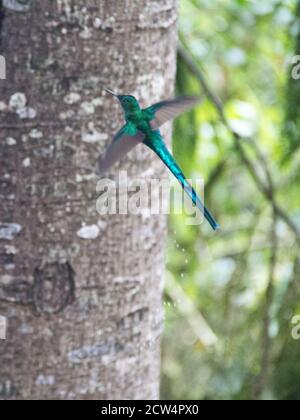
column 162, row 151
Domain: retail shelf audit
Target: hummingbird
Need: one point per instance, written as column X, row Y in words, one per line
column 143, row 126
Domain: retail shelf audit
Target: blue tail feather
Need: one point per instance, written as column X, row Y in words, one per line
column 158, row 146
column 196, row 201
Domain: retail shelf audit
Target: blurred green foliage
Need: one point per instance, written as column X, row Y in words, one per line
column 245, row 283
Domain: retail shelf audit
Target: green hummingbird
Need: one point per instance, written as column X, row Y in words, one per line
column 142, row 126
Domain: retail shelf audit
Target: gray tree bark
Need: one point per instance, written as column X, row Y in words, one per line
column 82, row 294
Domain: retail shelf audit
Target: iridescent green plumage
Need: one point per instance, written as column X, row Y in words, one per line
column 142, row 126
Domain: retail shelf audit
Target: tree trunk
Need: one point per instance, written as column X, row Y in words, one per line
column 82, row 293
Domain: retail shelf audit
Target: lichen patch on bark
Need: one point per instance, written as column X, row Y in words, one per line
column 17, row 5
column 8, row 231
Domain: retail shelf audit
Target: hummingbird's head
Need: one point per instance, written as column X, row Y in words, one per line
column 129, row 103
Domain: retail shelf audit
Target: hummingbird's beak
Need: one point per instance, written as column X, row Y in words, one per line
column 111, row 93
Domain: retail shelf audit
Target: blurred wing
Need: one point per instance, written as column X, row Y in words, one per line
column 122, row 144
column 165, row 111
